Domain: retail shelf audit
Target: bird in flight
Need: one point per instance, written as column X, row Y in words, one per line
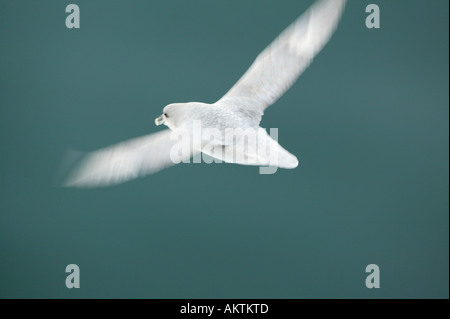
column 272, row 73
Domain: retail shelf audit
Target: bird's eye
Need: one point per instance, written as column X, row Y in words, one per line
column 167, row 116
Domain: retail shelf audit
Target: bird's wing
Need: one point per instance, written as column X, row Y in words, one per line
column 125, row 161
column 282, row 62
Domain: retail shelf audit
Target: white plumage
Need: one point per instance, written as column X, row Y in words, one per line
column 268, row 78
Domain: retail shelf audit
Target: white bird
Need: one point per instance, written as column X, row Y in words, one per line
column 271, row 74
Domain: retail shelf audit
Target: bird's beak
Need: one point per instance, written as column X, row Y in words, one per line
column 160, row 120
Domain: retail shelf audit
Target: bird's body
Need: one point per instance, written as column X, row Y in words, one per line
column 240, row 110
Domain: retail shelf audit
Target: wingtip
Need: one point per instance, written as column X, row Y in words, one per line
column 62, row 175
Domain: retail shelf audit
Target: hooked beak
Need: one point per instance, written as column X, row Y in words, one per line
column 160, row 120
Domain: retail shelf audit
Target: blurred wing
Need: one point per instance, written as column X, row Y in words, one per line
column 124, row 161
column 282, row 62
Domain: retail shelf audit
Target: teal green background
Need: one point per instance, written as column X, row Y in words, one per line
column 369, row 121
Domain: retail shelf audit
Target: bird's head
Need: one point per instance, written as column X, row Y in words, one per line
column 171, row 115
